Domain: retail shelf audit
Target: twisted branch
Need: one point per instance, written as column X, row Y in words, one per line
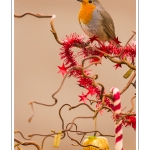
column 54, row 31
column 32, row 14
column 129, row 83
column 27, row 143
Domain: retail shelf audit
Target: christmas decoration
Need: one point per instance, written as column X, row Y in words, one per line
column 100, row 142
column 91, row 52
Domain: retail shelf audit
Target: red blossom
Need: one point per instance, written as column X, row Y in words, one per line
column 108, row 103
column 85, row 82
column 131, row 121
column 94, row 60
column 94, row 38
column 71, row 59
column 98, row 105
column 66, row 52
column 117, row 65
column 116, row 40
column 62, row 69
column 87, row 72
column 91, row 90
column 83, row 97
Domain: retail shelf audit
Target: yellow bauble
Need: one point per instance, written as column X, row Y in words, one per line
column 100, row 141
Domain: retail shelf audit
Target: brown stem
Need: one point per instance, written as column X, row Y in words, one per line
column 90, row 57
column 32, row 14
column 46, row 136
column 80, row 143
column 132, row 102
column 36, row 134
column 18, row 146
column 80, row 117
column 86, row 132
column 62, row 118
column 106, row 107
column 89, row 117
column 93, row 101
column 54, row 31
column 53, row 95
column 16, row 131
column 94, row 77
column 102, row 90
column 31, row 103
column 131, row 37
column 129, row 83
column 125, row 45
column 124, row 114
column 74, row 67
column 44, row 140
column 82, row 104
column 27, row 143
column 82, row 137
column 118, row 61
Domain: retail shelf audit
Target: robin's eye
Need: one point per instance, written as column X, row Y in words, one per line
column 90, row 1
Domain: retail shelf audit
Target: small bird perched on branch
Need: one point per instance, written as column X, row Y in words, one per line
column 95, row 20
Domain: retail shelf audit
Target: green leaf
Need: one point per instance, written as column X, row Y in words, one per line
column 128, row 73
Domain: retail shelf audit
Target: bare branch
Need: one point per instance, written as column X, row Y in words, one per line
column 27, row 143
column 32, row 14
column 129, row 83
column 54, row 31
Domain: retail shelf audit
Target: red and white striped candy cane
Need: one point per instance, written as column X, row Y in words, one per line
column 118, row 126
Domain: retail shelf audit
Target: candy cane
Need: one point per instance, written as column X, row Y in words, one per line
column 118, row 126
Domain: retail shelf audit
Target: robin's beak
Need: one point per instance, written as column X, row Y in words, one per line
column 80, row 0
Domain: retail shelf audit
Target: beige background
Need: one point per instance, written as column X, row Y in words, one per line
column 36, row 60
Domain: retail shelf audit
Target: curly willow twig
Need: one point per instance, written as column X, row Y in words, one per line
column 32, row 14
column 27, row 143
column 94, row 83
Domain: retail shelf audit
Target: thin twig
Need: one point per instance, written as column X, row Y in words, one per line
column 130, row 37
column 62, row 118
column 16, row 131
column 129, row 83
column 32, row 14
column 80, row 143
column 54, row 31
column 27, row 143
column 125, row 45
column 117, row 60
column 31, row 103
column 80, row 105
column 132, row 102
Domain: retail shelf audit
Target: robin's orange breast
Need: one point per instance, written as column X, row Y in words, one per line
column 85, row 14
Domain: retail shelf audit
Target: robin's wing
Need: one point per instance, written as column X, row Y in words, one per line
column 108, row 24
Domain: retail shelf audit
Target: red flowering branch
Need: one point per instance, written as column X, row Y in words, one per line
column 125, row 45
column 116, row 60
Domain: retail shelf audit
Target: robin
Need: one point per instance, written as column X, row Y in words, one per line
column 95, row 20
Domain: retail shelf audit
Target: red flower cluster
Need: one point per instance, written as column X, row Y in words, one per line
column 131, row 121
column 108, row 103
column 66, row 52
column 127, row 121
column 87, row 84
column 70, row 60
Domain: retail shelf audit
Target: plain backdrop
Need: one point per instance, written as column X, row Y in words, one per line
column 36, row 57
